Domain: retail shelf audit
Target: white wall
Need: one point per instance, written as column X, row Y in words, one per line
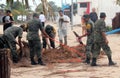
column 107, row 6
column 110, row 8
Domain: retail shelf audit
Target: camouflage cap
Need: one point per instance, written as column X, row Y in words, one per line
column 102, row 15
column 86, row 16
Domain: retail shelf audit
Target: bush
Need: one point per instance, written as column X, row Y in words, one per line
column 108, row 28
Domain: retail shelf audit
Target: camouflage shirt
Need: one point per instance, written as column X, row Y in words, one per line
column 100, row 27
column 89, row 27
column 13, row 32
column 33, row 27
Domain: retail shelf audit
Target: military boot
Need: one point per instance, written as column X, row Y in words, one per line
column 87, row 61
column 93, row 62
column 40, row 62
column 111, row 62
column 15, row 59
column 33, row 62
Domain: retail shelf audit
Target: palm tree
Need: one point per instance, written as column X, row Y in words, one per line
column 10, row 3
column 45, row 5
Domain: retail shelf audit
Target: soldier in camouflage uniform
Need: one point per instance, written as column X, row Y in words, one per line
column 100, row 40
column 33, row 38
column 89, row 33
column 10, row 35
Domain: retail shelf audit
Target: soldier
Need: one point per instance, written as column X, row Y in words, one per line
column 10, row 35
column 33, row 38
column 101, row 41
column 89, row 33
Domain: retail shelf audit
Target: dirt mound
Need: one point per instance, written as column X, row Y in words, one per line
column 66, row 54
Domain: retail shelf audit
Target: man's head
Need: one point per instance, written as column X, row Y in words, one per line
column 93, row 9
column 61, row 13
column 23, row 27
column 102, row 15
column 35, row 15
column 86, row 17
column 8, row 12
column 41, row 12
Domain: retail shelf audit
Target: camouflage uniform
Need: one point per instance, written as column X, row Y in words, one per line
column 33, row 38
column 10, row 35
column 99, row 41
column 89, row 28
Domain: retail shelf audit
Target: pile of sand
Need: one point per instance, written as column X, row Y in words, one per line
column 65, row 54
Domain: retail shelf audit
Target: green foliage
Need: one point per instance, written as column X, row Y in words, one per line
column 11, row 2
column 39, row 8
column 52, row 4
column 108, row 28
column 17, row 5
column 2, row 6
column 18, row 8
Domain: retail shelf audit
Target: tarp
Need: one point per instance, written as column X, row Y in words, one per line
column 64, row 6
column 113, row 31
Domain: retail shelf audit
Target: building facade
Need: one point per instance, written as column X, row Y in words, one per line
column 107, row 6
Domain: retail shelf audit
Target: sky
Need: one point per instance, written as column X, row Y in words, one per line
column 33, row 6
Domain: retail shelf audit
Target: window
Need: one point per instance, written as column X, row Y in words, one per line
column 83, row 5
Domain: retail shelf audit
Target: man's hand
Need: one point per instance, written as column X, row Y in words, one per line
column 61, row 19
column 79, row 38
column 106, row 41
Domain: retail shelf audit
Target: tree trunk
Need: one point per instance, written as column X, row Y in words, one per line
column 4, row 64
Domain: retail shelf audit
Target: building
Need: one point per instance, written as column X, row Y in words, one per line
column 107, row 6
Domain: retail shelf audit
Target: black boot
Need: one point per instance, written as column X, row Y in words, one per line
column 40, row 62
column 87, row 61
column 33, row 62
column 111, row 62
column 93, row 62
column 15, row 60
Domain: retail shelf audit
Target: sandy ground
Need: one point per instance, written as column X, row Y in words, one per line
column 75, row 70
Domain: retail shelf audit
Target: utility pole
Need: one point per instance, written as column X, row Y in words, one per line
column 62, row 3
column 65, row 2
column 71, row 14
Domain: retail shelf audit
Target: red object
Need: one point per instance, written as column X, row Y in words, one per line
column 88, row 8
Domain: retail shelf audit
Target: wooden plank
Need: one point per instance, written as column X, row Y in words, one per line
column 4, row 65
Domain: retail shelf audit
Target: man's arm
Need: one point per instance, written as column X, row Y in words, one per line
column 103, row 30
column 66, row 19
column 104, row 36
column 44, row 33
column 19, row 41
column 20, row 45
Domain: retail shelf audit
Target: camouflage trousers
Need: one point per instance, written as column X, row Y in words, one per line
column 89, row 46
column 35, row 48
column 12, row 45
column 97, row 48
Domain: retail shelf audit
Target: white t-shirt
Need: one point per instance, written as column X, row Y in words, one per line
column 7, row 19
column 42, row 18
column 63, row 25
